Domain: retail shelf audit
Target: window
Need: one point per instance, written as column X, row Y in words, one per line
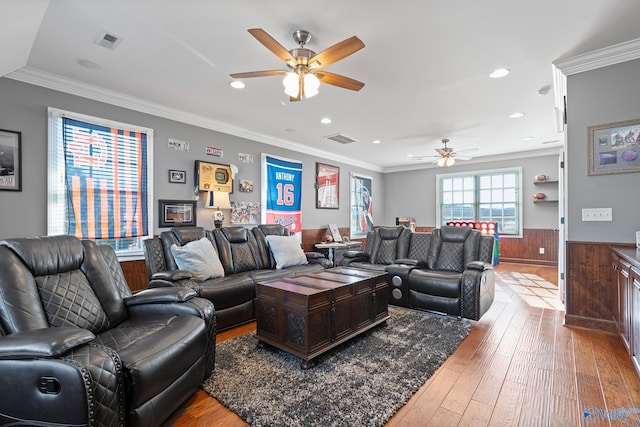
column 99, row 181
column 482, row 196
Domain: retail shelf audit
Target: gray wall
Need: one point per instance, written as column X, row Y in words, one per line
column 23, row 107
column 413, row 193
column 606, row 95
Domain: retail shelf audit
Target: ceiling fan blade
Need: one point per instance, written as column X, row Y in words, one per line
column 271, row 44
column 264, row 73
column 336, row 52
column 340, row 81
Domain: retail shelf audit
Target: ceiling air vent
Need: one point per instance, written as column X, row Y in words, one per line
column 108, row 40
column 342, row 139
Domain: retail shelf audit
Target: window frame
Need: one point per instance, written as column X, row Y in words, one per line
column 53, row 175
column 475, row 175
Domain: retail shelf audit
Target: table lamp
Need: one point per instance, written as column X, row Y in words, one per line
column 218, row 200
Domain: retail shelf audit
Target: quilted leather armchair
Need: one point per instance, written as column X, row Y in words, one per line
column 449, row 270
column 382, row 248
column 77, row 348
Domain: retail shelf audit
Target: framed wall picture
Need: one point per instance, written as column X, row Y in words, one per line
column 177, row 176
column 213, row 177
column 335, row 233
column 614, row 148
column 177, row 213
column 10, row 160
column 361, row 205
column 327, row 186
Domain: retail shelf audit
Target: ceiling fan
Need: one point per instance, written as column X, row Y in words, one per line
column 446, row 156
column 305, row 66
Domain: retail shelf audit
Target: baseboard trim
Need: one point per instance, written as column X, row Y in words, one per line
column 591, row 323
column 529, row 261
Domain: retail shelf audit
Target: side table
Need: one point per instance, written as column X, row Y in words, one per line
column 334, row 250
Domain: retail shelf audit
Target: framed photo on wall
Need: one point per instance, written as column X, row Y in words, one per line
column 361, row 205
column 327, row 186
column 614, row 148
column 10, row 160
column 177, row 176
column 177, row 213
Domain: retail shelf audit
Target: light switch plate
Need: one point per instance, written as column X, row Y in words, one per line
column 597, row 214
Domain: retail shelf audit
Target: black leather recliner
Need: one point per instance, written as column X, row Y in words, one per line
column 77, row 348
column 382, row 248
column 448, row 270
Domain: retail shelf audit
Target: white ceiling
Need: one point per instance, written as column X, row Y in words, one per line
column 426, row 66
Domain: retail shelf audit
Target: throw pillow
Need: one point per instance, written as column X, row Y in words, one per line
column 286, row 251
column 200, row 258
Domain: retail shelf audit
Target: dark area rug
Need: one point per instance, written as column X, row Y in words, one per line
column 362, row 382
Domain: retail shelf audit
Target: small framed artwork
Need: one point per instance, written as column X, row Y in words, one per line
column 614, row 148
column 327, row 186
column 335, row 233
column 246, row 186
column 177, row 213
column 213, row 177
column 10, row 160
column 177, row 176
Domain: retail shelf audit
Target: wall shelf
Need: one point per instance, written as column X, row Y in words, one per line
column 545, row 201
column 544, row 182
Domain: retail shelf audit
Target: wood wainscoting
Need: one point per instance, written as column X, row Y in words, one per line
column 527, row 249
column 591, row 298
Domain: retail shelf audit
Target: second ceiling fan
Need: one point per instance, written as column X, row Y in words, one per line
column 446, row 156
column 305, row 72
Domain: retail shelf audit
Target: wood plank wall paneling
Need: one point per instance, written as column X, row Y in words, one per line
column 590, row 295
column 135, row 272
column 526, row 249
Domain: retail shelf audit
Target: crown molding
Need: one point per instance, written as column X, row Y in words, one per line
column 611, row 55
column 52, row 81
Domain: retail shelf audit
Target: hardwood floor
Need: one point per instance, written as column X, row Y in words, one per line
column 519, row 366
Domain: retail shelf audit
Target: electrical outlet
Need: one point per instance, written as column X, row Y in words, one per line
column 541, row 251
column 597, row 214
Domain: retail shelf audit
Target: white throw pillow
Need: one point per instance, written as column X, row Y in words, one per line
column 286, row 251
column 200, row 258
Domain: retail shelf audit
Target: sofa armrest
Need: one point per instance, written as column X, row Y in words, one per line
column 478, row 266
column 477, row 292
column 160, row 295
column 410, row 262
column 172, row 275
column 46, row 342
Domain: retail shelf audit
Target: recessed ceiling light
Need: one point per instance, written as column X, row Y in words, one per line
column 325, row 120
column 516, row 115
column 237, row 84
column 88, row 64
column 376, row 141
column 499, row 73
column 527, row 138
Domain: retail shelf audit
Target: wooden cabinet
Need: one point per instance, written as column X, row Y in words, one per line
column 625, row 265
column 634, row 280
column 623, row 313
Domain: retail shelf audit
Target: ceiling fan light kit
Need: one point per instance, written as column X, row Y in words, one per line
column 303, row 77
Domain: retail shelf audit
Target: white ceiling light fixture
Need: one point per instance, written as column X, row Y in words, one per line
column 517, row 115
column 499, row 73
column 376, row 141
column 325, row 120
column 237, row 84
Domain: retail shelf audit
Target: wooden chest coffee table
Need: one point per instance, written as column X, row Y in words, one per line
column 310, row 314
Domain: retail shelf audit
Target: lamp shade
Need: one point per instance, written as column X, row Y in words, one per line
column 291, row 85
column 217, row 200
column 311, row 85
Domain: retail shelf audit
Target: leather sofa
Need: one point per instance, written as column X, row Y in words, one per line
column 77, row 348
column 448, row 270
column 245, row 256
